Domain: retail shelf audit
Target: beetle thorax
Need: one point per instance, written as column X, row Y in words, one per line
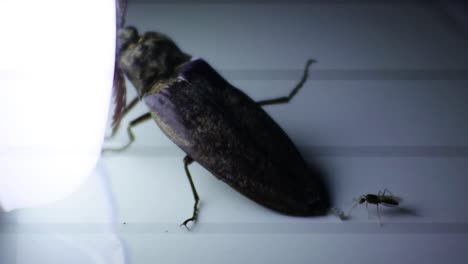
column 152, row 58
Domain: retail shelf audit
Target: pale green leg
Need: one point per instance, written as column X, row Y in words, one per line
column 286, row 99
column 126, row 110
column 131, row 136
column 187, row 161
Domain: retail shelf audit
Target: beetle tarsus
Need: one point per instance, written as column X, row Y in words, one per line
column 286, row 99
column 185, row 223
column 187, row 161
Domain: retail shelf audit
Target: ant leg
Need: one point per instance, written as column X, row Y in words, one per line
column 367, row 208
column 286, row 99
column 187, row 161
column 378, row 215
column 386, row 190
column 131, row 136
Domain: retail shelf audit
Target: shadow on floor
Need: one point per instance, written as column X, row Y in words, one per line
column 8, row 238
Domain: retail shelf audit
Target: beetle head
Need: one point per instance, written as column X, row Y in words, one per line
column 148, row 58
column 125, row 37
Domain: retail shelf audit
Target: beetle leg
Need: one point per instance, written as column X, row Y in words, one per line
column 187, row 161
column 125, row 111
column 286, row 99
column 131, row 137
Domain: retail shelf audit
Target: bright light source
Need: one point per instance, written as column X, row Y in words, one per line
column 56, row 71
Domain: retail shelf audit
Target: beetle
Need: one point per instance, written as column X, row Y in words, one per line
column 377, row 199
column 216, row 125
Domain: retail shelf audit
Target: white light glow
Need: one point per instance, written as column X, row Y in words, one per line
column 56, row 70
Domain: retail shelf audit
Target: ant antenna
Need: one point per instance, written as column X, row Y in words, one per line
column 350, row 210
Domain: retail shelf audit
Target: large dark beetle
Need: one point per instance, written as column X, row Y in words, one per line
column 216, row 124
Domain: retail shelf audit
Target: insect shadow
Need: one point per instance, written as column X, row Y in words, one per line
column 8, row 242
column 403, row 211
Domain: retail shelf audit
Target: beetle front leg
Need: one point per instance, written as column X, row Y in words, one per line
column 131, row 136
column 187, row 161
column 127, row 109
column 286, row 99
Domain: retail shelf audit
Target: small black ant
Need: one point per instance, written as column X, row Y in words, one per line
column 380, row 198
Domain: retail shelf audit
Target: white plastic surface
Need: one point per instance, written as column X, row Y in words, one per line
column 77, row 230
column 384, row 107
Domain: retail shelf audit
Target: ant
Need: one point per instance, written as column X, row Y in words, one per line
column 380, row 198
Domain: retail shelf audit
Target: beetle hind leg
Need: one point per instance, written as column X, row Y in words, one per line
column 187, row 161
column 286, row 99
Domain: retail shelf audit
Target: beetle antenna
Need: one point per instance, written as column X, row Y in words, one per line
column 119, row 93
column 121, row 8
column 118, row 89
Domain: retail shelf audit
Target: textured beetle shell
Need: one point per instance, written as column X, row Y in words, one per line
column 231, row 136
